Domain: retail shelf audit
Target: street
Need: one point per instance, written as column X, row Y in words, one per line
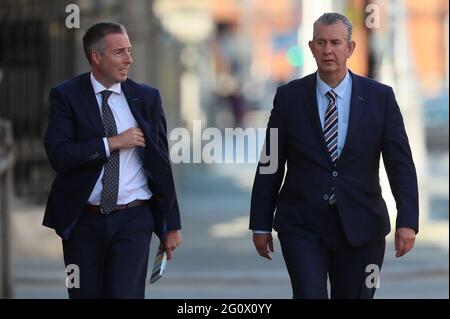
column 217, row 258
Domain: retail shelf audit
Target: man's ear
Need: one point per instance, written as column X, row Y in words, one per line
column 95, row 56
column 311, row 46
column 351, row 48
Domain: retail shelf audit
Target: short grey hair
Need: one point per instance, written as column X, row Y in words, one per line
column 333, row 18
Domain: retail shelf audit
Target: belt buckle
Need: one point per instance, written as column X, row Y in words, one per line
column 101, row 210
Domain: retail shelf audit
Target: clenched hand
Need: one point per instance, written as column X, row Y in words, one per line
column 128, row 139
column 170, row 242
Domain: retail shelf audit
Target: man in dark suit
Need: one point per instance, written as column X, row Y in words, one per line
column 332, row 126
column 106, row 139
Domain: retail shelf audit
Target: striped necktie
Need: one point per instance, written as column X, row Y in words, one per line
column 330, row 131
column 110, row 179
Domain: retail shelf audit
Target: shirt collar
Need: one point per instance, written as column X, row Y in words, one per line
column 339, row 90
column 98, row 87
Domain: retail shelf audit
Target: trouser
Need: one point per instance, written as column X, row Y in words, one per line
column 352, row 271
column 111, row 253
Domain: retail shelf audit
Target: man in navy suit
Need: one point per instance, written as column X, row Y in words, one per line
column 106, row 139
column 332, row 126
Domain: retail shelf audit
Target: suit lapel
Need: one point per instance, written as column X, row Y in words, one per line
column 313, row 111
column 356, row 112
column 90, row 104
column 138, row 109
column 135, row 102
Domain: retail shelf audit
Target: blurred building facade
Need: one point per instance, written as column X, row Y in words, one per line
column 36, row 53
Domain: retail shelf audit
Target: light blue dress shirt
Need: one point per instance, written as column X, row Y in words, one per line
column 344, row 93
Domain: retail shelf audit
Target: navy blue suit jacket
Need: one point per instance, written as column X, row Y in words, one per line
column 75, row 149
column 375, row 128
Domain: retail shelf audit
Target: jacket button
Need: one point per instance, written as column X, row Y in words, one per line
column 335, row 174
column 326, row 197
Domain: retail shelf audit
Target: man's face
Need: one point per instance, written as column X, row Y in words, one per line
column 112, row 66
column 331, row 49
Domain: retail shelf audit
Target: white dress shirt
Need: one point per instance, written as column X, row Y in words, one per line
column 132, row 177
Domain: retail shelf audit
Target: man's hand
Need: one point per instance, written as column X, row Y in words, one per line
column 170, row 242
column 404, row 240
column 263, row 244
column 128, row 139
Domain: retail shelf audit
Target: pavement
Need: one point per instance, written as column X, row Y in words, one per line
column 217, row 259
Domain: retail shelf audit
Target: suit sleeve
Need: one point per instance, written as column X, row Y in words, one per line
column 173, row 216
column 269, row 175
column 63, row 151
column 399, row 166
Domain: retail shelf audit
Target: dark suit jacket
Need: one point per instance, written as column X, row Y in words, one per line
column 375, row 127
column 75, row 149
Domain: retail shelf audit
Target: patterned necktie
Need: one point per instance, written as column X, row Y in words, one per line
column 111, row 171
column 330, row 131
